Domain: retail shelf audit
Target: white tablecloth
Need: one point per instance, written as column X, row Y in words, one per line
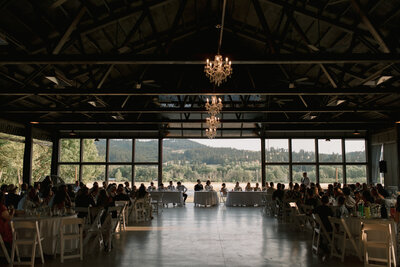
column 206, row 198
column 355, row 226
column 169, row 196
column 244, row 198
column 49, row 228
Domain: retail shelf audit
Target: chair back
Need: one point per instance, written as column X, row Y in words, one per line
column 382, row 230
column 121, row 203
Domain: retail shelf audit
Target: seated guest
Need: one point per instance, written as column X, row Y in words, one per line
column 32, row 200
column 278, row 193
column 85, row 200
column 94, row 191
column 105, row 185
column 61, row 198
column 48, row 195
column 311, row 200
column 76, row 187
column 378, row 198
column 257, row 188
column 349, row 202
column 397, row 214
column 171, row 186
column 382, row 191
column 24, row 189
column 237, row 187
column 12, row 198
column 367, row 198
column 208, row 186
column 224, row 190
column 324, row 212
column 133, row 192
column 127, row 188
column 5, row 218
column 142, row 193
column 342, row 211
column 121, row 195
column 160, row 188
column 181, row 188
column 71, row 193
column 271, row 188
column 151, row 187
column 248, row 188
column 265, row 187
column 198, row 186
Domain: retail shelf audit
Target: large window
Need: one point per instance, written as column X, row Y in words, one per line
column 325, row 160
column 107, row 156
column 11, row 158
column 303, row 150
column 41, row 159
column 277, row 150
column 147, row 174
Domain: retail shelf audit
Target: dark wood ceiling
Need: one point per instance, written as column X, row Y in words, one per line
column 137, row 66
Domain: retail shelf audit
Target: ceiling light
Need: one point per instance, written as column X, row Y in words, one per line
column 336, row 102
column 356, row 132
column 138, row 85
column 313, row 47
column 72, row 133
column 93, row 103
column 398, row 122
column 383, row 79
column 34, row 122
column 118, row 117
column 53, row 79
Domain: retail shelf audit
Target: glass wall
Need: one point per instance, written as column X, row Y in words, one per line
column 11, row 158
column 322, row 159
column 41, row 159
column 108, row 156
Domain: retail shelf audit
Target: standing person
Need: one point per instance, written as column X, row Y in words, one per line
column 76, row 187
column 305, row 180
column 181, row 188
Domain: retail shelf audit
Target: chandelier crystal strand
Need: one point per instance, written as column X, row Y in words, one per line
column 218, row 70
column 213, row 109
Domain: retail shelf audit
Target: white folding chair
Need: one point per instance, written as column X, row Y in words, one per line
column 383, row 243
column 30, row 229
column 115, row 223
column 157, row 202
column 319, row 231
column 72, row 235
column 222, row 197
column 341, row 232
column 4, row 249
column 297, row 218
column 93, row 231
column 124, row 216
column 139, row 209
column 86, row 212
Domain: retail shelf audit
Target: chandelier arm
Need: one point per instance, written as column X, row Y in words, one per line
column 222, row 27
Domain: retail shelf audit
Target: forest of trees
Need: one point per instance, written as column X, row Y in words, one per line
column 183, row 160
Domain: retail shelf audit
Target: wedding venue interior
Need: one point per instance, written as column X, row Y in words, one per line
column 199, row 132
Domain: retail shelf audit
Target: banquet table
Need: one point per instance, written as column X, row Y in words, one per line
column 169, row 196
column 244, row 198
column 49, row 229
column 206, row 198
column 355, row 227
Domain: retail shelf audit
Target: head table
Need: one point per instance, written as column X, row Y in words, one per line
column 206, row 198
column 49, row 229
column 238, row 198
column 168, row 196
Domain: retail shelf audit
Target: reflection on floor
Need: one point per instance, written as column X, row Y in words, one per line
column 217, row 236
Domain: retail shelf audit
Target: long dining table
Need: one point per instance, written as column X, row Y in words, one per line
column 239, row 198
column 173, row 197
column 206, row 198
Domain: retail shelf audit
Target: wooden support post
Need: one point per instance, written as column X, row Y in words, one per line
column 263, row 174
column 28, row 152
column 55, row 154
column 160, row 160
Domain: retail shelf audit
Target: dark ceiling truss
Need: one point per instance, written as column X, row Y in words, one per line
column 120, row 76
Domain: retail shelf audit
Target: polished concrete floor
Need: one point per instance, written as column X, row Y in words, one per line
column 216, row 236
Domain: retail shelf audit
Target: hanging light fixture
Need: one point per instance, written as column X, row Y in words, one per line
column 219, row 70
column 213, row 122
column 211, row 133
column 214, row 107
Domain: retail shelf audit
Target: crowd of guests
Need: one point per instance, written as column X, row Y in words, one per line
column 54, row 198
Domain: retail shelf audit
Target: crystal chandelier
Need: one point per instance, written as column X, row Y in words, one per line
column 214, row 107
column 211, row 132
column 213, row 122
column 218, row 70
